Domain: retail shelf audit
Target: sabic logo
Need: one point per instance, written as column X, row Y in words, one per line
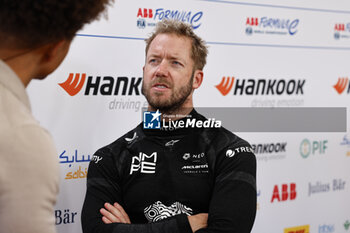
column 72, row 87
column 109, row 85
column 261, row 86
column 341, row 85
column 143, row 162
column 288, row 192
column 298, row 229
column 226, row 85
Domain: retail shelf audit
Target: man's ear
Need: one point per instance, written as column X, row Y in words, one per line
column 197, row 79
column 53, row 50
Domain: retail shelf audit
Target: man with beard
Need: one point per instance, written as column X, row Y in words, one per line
column 190, row 179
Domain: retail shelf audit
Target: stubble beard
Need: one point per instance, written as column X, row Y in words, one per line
column 173, row 103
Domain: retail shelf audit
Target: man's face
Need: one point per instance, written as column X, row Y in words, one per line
column 168, row 72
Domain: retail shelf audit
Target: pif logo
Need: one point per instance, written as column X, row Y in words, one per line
column 288, row 192
column 299, row 229
column 341, row 85
column 308, row 147
column 106, row 85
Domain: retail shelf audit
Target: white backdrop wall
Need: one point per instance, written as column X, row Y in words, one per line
column 302, row 185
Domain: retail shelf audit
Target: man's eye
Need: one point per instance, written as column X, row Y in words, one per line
column 176, row 63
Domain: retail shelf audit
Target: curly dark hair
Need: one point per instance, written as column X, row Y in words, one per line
column 31, row 23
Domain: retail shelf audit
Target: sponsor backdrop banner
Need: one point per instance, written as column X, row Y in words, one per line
column 260, row 55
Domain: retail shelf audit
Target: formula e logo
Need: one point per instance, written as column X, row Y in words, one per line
column 341, row 85
column 144, row 163
column 271, row 26
column 151, row 120
column 72, row 87
column 226, row 85
column 149, row 17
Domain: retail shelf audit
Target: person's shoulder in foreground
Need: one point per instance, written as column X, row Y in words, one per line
column 35, row 37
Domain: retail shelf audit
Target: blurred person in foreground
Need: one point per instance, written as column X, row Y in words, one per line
column 188, row 179
column 34, row 39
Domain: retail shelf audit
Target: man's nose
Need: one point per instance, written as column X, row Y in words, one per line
column 162, row 69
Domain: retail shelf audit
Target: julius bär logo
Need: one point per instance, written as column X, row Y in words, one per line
column 271, row 26
column 341, row 85
column 65, row 216
column 298, row 229
column 106, row 85
column 287, row 192
column 150, row 17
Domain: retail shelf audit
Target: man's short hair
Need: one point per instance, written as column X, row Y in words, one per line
column 199, row 49
column 32, row 23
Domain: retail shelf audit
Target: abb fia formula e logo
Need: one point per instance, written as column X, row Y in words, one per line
column 271, row 26
column 342, row 84
column 284, row 193
column 342, row 31
column 149, row 17
column 104, row 85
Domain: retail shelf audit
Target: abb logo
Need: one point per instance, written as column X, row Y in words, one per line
column 288, row 192
column 145, row 13
column 339, row 27
column 341, row 85
column 226, row 85
column 252, row 21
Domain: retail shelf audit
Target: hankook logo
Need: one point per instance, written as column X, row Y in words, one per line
column 106, row 85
